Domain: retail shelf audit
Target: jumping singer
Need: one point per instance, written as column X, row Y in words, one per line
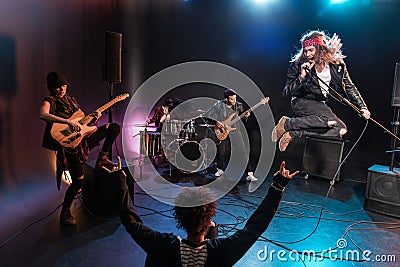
column 320, row 56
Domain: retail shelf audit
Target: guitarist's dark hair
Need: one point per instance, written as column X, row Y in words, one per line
column 228, row 92
column 172, row 102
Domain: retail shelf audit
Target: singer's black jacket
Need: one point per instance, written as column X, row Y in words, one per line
column 310, row 89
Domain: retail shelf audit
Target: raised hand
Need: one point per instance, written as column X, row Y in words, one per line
column 286, row 173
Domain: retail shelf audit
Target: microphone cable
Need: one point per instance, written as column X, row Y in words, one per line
column 328, row 192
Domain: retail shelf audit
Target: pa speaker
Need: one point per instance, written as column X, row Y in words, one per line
column 322, row 157
column 102, row 191
column 112, row 57
column 382, row 193
column 396, row 87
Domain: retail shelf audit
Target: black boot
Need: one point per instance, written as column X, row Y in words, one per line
column 66, row 218
column 103, row 161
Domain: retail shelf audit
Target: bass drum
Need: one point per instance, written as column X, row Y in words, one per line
column 197, row 129
column 187, row 156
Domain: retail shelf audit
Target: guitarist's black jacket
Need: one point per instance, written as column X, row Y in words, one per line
column 220, row 111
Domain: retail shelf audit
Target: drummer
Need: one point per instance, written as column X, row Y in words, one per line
column 163, row 113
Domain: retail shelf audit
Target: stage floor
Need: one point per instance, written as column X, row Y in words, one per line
column 342, row 226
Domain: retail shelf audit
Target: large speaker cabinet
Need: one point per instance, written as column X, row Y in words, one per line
column 112, row 60
column 322, row 157
column 382, row 194
column 101, row 190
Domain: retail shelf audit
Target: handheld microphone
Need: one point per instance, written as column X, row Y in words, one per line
column 307, row 69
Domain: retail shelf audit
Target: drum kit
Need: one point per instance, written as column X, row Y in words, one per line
column 181, row 140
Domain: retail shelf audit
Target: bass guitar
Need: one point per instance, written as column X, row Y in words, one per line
column 69, row 138
column 223, row 132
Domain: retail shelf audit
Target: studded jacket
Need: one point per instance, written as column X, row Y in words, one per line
column 310, row 89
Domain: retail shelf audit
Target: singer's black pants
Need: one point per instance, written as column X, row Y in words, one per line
column 312, row 119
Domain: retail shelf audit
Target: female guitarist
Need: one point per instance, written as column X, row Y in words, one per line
column 59, row 108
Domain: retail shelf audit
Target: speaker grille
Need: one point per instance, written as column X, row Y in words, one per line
column 396, row 87
column 322, row 157
column 383, row 191
column 112, row 57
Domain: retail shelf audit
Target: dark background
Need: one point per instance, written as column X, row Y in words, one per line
column 37, row 36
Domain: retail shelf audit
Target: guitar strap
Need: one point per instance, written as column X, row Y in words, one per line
column 237, row 108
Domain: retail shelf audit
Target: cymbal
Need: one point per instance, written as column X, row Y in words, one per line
column 206, row 125
column 144, row 125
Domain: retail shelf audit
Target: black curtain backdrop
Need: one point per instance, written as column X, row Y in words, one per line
column 39, row 36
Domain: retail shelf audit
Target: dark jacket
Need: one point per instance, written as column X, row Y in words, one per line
column 310, row 89
column 158, row 113
column 220, row 111
column 163, row 249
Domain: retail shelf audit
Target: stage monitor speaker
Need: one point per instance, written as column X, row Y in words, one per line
column 112, row 57
column 382, row 193
column 322, row 157
column 101, row 190
column 396, row 87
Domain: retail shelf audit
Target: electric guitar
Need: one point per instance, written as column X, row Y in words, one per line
column 222, row 133
column 69, row 138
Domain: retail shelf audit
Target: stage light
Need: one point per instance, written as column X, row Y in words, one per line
column 66, row 177
column 262, row 1
column 337, row 1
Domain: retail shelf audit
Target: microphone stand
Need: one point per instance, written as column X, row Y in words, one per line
column 110, row 118
column 342, row 99
column 206, row 135
column 395, row 127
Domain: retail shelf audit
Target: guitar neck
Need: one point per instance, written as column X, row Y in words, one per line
column 85, row 120
column 244, row 113
column 108, row 104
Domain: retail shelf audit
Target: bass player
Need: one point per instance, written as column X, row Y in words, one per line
column 220, row 111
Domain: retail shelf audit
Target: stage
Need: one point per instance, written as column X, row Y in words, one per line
column 343, row 228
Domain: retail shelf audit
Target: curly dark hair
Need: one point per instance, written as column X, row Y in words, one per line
column 172, row 102
column 194, row 220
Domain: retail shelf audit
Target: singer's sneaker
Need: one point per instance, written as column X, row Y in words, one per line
column 284, row 142
column 250, row 177
column 219, row 173
column 279, row 129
